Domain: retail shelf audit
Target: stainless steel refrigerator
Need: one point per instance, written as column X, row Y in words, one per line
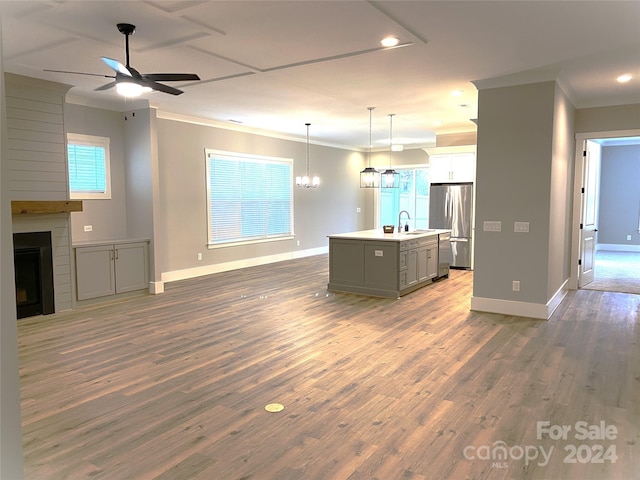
column 450, row 207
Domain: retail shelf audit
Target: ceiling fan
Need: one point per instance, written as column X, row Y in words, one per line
column 126, row 74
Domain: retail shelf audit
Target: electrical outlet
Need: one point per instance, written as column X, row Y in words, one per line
column 199, row 256
column 88, row 228
column 492, row 226
column 358, row 210
column 515, row 285
column 628, row 237
column 297, row 243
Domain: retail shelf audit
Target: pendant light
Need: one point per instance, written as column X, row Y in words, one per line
column 390, row 178
column 306, row 181
column 369, row 176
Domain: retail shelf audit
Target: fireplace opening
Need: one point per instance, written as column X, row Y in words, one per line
column 33, row 263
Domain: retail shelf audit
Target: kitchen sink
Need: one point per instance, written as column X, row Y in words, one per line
column 419, row 232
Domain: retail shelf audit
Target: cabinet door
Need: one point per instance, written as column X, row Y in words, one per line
column 423, row 264
column 452, row 167
column 95, row 275
column 464, row 167
column 412, row 267
column 440, row 169
column 131, row 266
column 432, row 261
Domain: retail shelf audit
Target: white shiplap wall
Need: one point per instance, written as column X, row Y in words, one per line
column 37, row 167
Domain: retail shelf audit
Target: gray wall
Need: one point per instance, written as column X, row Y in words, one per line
column 603, row 119
column 108, row 218
column 619, row 195
column 331, row 208
column 142, row 184
column 514, row 172
column 561, row 193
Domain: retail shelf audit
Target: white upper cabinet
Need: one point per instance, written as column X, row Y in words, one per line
column 452, row 168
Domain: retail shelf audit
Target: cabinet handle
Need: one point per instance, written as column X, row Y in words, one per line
column 116, row 254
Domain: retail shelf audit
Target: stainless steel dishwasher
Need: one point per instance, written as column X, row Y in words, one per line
column 445, row 255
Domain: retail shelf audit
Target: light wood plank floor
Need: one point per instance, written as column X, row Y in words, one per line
column 174, row 386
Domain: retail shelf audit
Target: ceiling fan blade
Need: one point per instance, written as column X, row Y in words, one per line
column 80, row 73
column 171, row 77
column 159, row 87
column 116, row 66
column 106, row 86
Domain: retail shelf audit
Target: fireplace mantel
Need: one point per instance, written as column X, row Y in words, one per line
column 23, row 207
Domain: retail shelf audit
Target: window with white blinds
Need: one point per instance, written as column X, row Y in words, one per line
column 88, row 166
column 250, row 197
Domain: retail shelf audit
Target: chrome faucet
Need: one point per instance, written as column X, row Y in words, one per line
column 400, row 219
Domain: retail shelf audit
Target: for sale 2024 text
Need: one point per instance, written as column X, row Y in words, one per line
column 582, row 431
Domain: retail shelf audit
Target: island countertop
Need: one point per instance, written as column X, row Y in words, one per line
column 378, row 234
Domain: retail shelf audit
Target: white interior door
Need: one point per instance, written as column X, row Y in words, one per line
column 589, row 216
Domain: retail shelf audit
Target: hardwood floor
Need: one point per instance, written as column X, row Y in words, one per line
column 174, row 386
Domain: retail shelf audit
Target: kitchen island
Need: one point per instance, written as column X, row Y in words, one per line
column 371, row 262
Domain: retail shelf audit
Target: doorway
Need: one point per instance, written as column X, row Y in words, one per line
column 602, row 260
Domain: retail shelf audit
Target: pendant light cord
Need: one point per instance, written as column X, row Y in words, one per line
column 370, row 112
column 308, row 164
column 390, row 137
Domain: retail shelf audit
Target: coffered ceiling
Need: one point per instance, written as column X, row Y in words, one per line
column 272, row 66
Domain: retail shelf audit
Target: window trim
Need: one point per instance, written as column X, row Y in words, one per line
column 96, row 141
column 256, row 158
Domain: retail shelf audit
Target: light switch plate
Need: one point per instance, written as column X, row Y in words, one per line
column 521, row 227
column 492, row 226
column 88, row 228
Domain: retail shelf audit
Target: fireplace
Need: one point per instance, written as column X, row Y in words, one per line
column 33, row 261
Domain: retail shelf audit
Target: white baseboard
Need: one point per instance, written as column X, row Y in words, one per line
column 238, row 264
column 520, row 309
column 156, row 288
column 617, row 247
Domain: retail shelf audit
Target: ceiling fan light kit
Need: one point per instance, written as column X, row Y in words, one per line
column 131, row 83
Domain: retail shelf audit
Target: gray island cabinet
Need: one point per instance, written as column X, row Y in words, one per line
column 389, row 265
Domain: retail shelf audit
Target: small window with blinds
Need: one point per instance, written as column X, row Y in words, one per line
column 250, row 198
column 88, row 166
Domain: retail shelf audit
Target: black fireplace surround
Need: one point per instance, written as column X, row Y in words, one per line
column 33, row 262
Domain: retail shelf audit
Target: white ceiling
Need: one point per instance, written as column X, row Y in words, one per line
column 275, row 65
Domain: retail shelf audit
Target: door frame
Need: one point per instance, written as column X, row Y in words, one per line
column 577, row 193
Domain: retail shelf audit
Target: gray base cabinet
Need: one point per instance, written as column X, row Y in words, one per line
column 109, row 269
column 382, row 268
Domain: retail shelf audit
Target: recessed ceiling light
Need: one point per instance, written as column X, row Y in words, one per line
column 624, row 78
column 457, row 93
column 389, row 41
